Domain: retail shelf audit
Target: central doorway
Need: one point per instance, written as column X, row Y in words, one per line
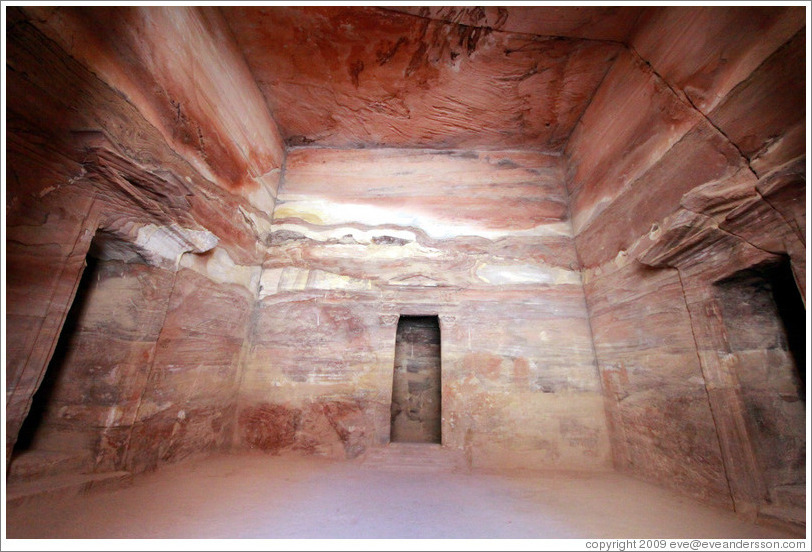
column 416, row 382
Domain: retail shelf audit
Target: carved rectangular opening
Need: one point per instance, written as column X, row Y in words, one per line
column 36, row 432
column 765, row 322
column 416, row 400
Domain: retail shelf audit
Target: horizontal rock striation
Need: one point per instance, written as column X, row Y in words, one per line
column 605, row 209
column 362, row 237
column 675, row 175
column 85, row 160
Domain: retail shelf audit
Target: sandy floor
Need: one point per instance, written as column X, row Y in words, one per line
column 284, row 497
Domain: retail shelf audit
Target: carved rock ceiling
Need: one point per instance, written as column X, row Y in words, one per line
column 484, row 78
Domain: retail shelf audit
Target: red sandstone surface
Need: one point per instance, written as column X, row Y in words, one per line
column 600, row 205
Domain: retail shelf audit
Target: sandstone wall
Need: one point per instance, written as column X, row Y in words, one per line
column 146, row 369
column 83, row 162
column 687, row 167
column 661, row 423
column 675, row 175
column 182, row 70
column 187, row 405
column 97, row 376
column 481, row 239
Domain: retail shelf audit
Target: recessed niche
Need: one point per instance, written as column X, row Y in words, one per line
column 416, row 408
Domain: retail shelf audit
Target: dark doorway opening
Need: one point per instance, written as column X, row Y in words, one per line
column 763, row 309
column 41, row 401
column 416, row 398
column 765, row 323
column 792, row 312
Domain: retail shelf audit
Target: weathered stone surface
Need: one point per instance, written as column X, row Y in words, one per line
column 736, row 218
column 598, row 23
column 443, row 193
column 704, row 252
column 358, row 220
column 37, row 306
column 711, row 50
column 676, row 427
column 146, row 377
column 73, row 129
column 172, row 435
column 269, row 427
column 769, row 137
column 706, row 247
column 632, row 121
column 226, row 307
column 701, row 157
column 100, row 380
column 668, row 148
column 197, row 356
column 652, row 380
column 404, row 81
column 127, row 301
column 80, row 156
column 347, row 419
column 745, row 478
column 182, row 70
column 366, row 236
column 324, row 427
column 785, row 190
column 96, row 378
column 665, row 187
